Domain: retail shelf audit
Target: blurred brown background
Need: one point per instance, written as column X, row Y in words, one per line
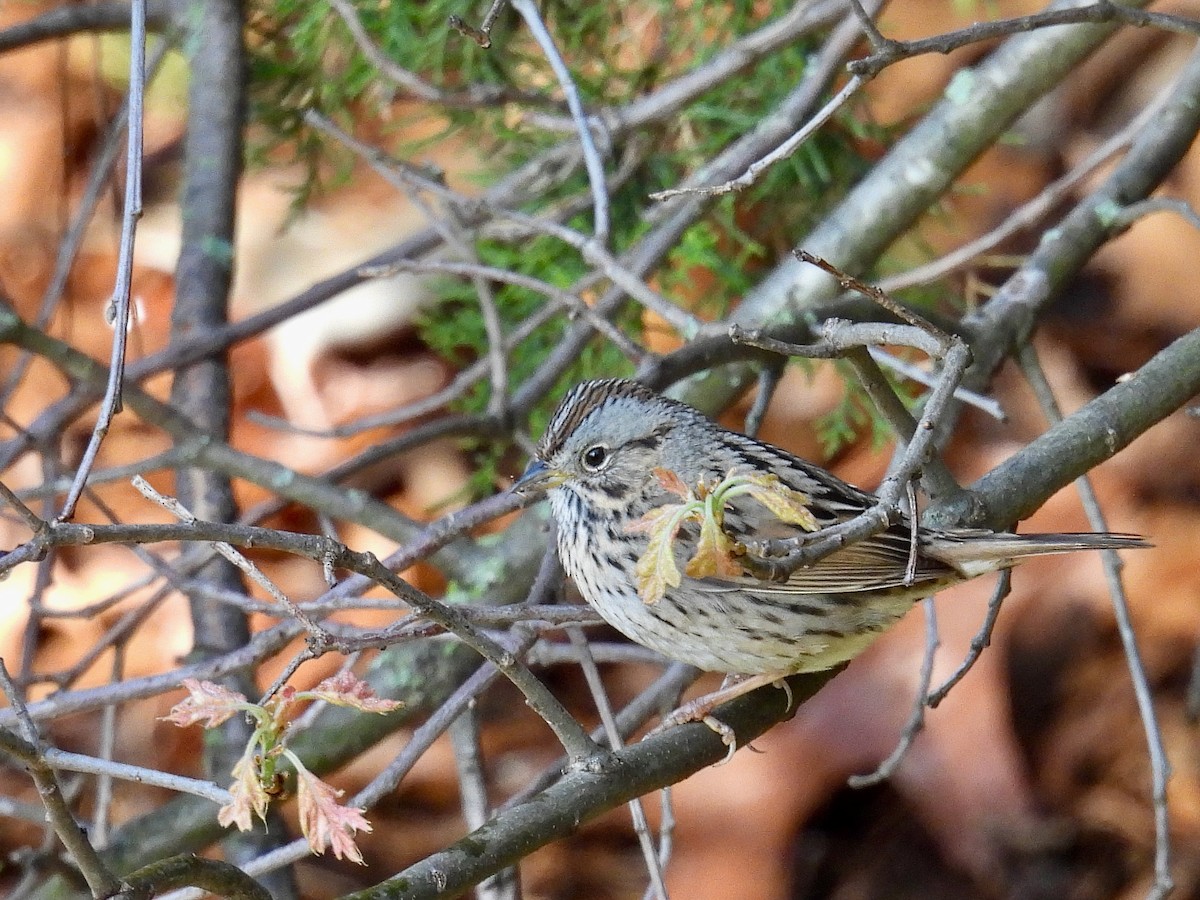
column 1031, row 780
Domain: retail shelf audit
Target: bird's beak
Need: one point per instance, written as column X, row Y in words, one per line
column 538, row 478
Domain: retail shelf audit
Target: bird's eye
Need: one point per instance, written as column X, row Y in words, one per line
column 594, row 457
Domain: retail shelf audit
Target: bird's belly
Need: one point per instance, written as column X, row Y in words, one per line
column 734, row 631
column 732, row 634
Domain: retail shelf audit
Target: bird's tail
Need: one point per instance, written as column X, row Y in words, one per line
column 976, row 553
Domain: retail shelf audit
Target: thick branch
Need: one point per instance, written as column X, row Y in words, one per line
column 665, row 758
column 1025, row 481
column 212, row 875
column 213, row 150
column 1008, row 320
column 978, row 106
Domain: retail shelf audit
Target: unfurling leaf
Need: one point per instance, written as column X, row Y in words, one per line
column 247, row 792
column 324, row 821
column 786, row 503
column 347, row 689
column 656, row 570
column 207, row 702
column 672, row 483
column 714, row 552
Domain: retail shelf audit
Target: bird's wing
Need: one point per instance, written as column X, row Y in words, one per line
column 877, row 563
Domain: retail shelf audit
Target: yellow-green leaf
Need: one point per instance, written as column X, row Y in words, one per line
column 714, row 553
column 785, row 503
column 656, row 570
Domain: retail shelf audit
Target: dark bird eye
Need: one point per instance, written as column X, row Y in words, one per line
column 595, row 457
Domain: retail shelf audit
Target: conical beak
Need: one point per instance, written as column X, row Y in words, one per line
column 538, row 478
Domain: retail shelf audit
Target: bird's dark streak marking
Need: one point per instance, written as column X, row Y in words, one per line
column 665, row 605
column 749, row 458
column 792, row 607
column 611, row 490
column 575, row 407
column 771, row 617
column 826, row 632
column 577, row 515
column 650, row 441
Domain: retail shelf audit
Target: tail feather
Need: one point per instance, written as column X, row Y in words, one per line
column 976, row 553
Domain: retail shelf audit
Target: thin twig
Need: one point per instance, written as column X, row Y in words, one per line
column 472, row 789
column 72, row 240
column 92, row 765
column 32, row 519
column 591, row 158
column 938, row 480
column 981, row 640
column 916, row 719
column 177, row 509
column 782, row 152
column 919, row 375
column 874, row 36
column 672, row 97
column 1100, row 12
column 878, row 295
column 641, row 827
column 523, row 639
column 476, row 94
column 1160, row 765
column 1035, row 210
column 769, row 377
column 571, row 302
column 483, row 34
column 1134, row 211
column 556, row 653
column 107, row 747
column 118, row 312
column 27, row 748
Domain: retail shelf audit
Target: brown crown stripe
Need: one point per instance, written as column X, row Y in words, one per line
column 579, row 403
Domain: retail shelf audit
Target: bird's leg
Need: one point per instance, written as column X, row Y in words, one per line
column 732, row 687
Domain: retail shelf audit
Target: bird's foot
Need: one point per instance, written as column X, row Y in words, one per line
column 700, row 709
